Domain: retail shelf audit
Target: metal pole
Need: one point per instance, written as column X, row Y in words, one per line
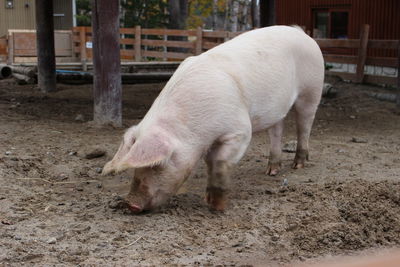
column 45, row 46
column 107, row 90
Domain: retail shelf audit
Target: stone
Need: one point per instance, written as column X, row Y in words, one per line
column 95, row 153
column 52, row 240
column 80, row 118
column 290, row 147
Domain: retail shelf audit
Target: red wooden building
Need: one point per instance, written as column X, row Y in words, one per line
column 336, row 18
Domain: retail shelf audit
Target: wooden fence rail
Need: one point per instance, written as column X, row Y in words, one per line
column 140, row 44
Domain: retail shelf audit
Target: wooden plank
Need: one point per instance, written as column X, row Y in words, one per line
column 382, row 61
column 362, row 53
column 127, row 41
column 138, row 48
column 380, row 79
column 215, row 34
column 76, row 38
column 10, row 58
column 127, row 53
column 168, row 32
column 33, row 53
column 349, row 43
column 127, row 30
column 3, row 46
column 383, row 44
column 87, row 29
column 343, row 75
column 341, row 59
column 82, row 44
column 234, row 34
column 209, row 45
column 168, row 43
column 172, row 55
column 199, row 39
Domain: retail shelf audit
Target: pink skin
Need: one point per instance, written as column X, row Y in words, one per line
column 212, row 105
column 151, row 187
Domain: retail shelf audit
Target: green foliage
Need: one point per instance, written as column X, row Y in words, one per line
column 200, row 10
column 146, row 13
column 83, row 13
column 328, row 66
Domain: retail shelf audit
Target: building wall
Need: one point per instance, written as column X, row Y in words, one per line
column 382, row 15
column 22, row 15
column 63, row 14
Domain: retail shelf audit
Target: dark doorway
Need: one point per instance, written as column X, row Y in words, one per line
column 267, row 13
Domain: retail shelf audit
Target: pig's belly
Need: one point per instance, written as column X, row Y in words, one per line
column 259, row 123
column 264, row 118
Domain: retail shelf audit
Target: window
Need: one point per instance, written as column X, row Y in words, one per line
column 330, row 23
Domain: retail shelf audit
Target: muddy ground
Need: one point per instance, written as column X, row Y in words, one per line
column 55, row 208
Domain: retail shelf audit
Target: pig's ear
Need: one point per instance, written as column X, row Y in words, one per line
column 148, row 151
column 113, row 165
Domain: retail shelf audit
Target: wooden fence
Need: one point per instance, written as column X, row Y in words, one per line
column 21, row 46
column 140, row 44
column 168, row 45
column 361, row 59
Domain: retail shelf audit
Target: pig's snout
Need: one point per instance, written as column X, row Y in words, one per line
column 137, row 204
column 135, row 208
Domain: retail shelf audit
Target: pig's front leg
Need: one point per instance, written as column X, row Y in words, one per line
column 225, row 152
column 275, row 136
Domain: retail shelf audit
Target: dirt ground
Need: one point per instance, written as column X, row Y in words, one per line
column 56, row 209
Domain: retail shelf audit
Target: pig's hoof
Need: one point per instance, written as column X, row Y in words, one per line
column 273, row 169
column 297, row 165
column 216, row 198
column 300, row 159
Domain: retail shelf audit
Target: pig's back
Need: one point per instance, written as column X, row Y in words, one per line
column 258, row 74
column 272, row 66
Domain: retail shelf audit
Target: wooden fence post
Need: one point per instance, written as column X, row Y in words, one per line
column 82, row 43
column 10, row 58
column 138, row 45
column 45, row 51
column 107, row 89
column 362, row 53
column 199, row 41
column 398, row 76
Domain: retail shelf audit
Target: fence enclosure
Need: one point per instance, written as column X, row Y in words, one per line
column 138, row 44
column 21, row 46
column 156, row 44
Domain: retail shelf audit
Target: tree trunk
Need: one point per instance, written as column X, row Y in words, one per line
column 227, row 15
column 245, row 17
column 45, row 46
column 255, row 14
column 178, row 12
column 214, row 14
column 234, row 16
column 107, row 91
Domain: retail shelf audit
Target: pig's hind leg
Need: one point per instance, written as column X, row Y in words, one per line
column 225, row 152
column 275, row 137
column 305, row 108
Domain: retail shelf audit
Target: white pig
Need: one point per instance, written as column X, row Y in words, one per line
column 211, row 106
